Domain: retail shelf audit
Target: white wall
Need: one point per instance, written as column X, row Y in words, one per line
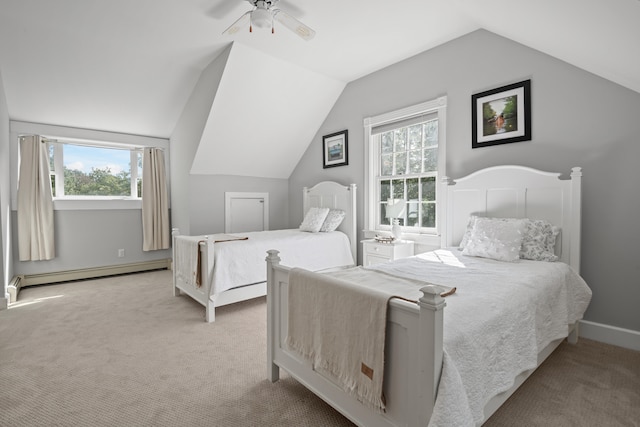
column 578, row 119
column 197, row 205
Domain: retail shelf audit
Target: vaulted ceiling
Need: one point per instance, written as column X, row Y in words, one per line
column 130, row 66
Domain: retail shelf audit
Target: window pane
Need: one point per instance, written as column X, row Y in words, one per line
column 429, row 188
column 430, row 160
column 412, row 189
column 415, row 161
column 428, row 214
column 398, row 189
column 431, row 133
column 139, row 178
column 400, row 160
column 400, row 140
column 94, row 171
column 385, row 190
column 415, row 137
column 387, row 142
column 383, row 214
column 386, row 165
column 412, row 214
column 52, row 166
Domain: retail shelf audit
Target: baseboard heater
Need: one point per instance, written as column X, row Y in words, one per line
column 92, row 273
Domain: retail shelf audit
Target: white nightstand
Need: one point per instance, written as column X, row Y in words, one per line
column 377, row 252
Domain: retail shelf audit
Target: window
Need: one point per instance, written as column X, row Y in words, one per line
column 406, row 158
column 94, row 170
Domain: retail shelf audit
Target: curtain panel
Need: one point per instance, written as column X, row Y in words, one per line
column 35, row 202
column 155, row 204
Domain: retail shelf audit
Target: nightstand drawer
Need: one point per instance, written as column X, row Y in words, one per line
column 376, row 252
column 380, row 249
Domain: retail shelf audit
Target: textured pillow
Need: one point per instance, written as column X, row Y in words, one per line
column 467, row 232
column 314, row 219
column 539, row 241
column 333, row 220
column 496, row 238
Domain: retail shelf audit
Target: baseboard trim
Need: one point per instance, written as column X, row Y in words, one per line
column 613, row 335
column 90, row 273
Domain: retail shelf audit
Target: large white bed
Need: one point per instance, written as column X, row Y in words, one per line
column 221, row 269
column 452, row 366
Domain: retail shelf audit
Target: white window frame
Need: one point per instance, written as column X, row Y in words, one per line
column 58, row 170
column 69, row 134
column 437, row 106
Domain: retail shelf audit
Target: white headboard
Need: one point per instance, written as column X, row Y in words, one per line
column 329, row 194
column 516, row 192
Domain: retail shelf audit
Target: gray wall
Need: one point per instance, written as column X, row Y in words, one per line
column 197, row 202
column 578, row 119
column 91, row 238
column 207, row 200
column 6, row 261
column 88, row 234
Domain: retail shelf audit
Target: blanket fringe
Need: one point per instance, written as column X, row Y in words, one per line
column 365, row 394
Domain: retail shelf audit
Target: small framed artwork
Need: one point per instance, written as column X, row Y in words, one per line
column 335, row 149
column 501, row 115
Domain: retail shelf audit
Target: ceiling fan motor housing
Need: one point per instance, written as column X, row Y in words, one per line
column 262, row 18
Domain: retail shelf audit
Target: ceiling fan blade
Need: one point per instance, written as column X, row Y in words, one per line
column 293, row 24
column 238, row 25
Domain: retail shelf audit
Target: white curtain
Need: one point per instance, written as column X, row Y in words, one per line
column 35, row 202
column 155, row 204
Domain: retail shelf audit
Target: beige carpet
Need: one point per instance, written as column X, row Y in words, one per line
column 122, row 351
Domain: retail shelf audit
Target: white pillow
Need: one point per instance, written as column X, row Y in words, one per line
column 313, row 219
column 496, row 238
column 467, row 231
column 333, row 220
column 539, row 241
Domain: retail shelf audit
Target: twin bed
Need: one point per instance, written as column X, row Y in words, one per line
column 421, row 364
column 221, row 269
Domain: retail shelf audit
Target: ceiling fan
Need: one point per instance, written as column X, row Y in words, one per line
column 263, row 15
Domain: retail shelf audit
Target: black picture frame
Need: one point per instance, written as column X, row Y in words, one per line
column 501, row 115
column 335, row 149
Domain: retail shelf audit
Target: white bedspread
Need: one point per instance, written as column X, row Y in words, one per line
column 239, row 263
column 501, row 316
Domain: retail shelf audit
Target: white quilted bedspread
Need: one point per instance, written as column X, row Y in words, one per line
column 238, row 263
column 501, row 316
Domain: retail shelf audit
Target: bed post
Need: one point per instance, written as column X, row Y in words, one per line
column 576, row 189
column 174, row 233
column 429, row 354
column 273, row 371
column 206, row 264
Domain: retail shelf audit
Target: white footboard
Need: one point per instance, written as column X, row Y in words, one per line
column 202, row 293
column 413, row 356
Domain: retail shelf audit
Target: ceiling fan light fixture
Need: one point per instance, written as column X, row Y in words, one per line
column 262, row 18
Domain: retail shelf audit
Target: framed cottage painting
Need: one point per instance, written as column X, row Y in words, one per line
column 501, row 115
column 335, row 149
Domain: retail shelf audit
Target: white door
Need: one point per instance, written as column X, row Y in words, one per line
column 246, row 212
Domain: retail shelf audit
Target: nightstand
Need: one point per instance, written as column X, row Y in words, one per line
column 377, row 252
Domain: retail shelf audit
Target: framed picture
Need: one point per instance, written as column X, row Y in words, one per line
column 335, row 149
column 502, row 115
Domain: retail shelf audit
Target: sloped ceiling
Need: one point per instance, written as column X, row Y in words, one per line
column 130, row 66
column 263, row 116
